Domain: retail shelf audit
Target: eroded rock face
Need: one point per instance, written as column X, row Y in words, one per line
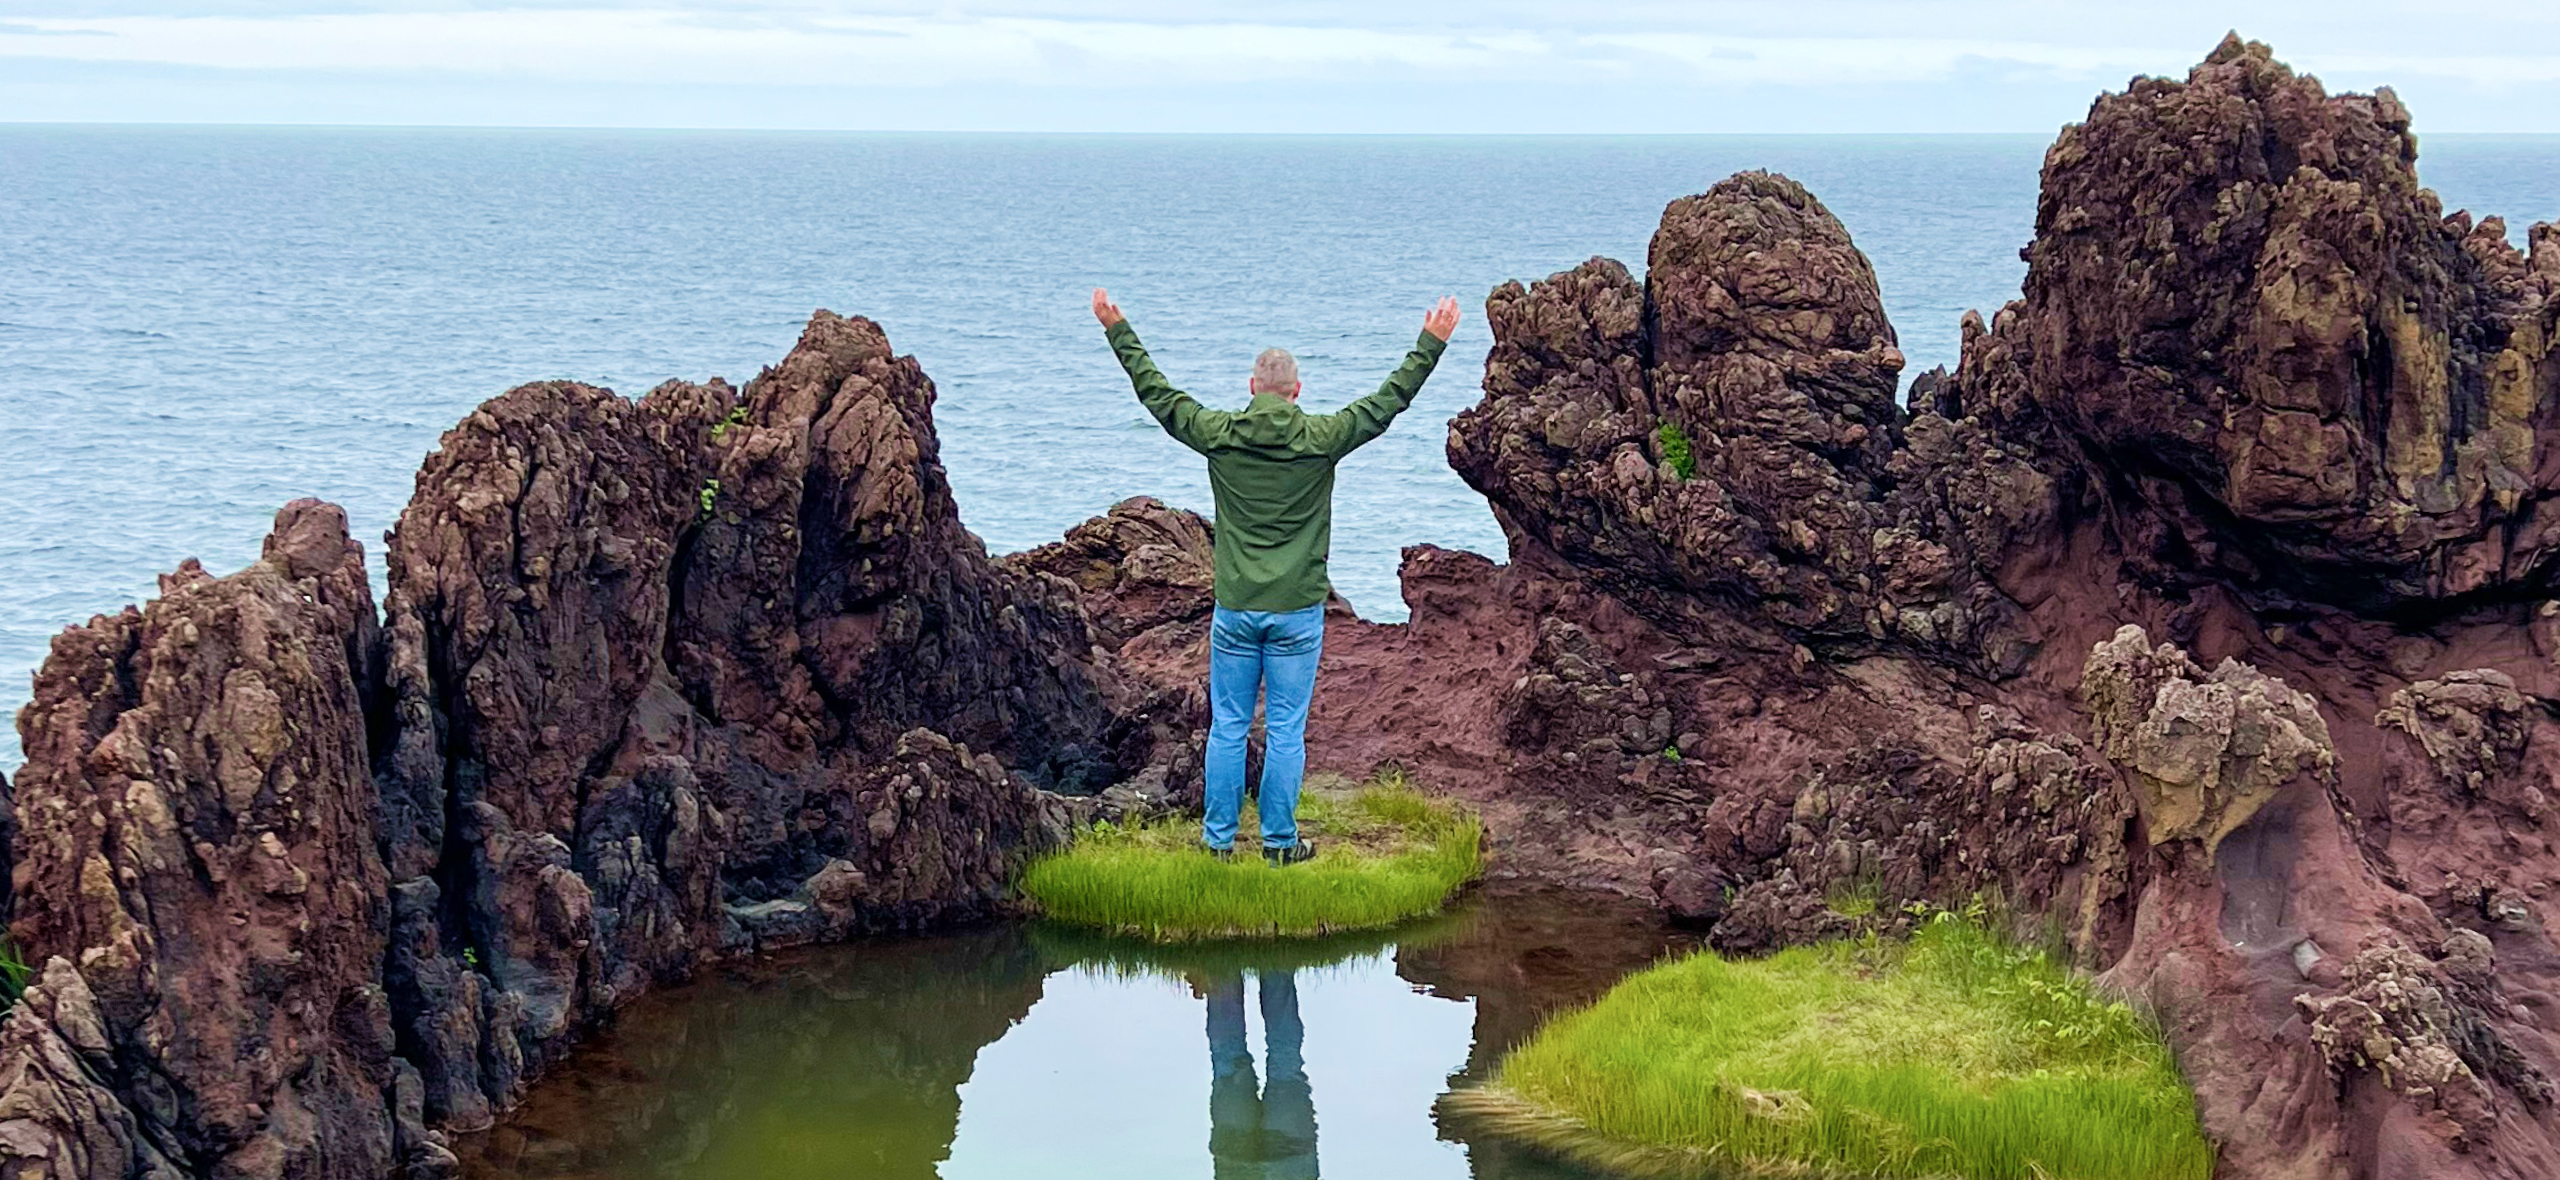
column 1141, row 567
column 2206, row 750
column 61, row 1117
column 942, row 832
column 2396, row 1020
column 653, row 657
column 1721, row 444
column 1719, row 428
column 197, row 838
column 2472, row 726
column 2315, row 382
column 661, row 681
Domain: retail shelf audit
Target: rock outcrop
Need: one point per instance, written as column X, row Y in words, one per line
column 1721, row 445
column 1142, row 568
column 2205, row 750
column 656, row 682
column 197, row 839
column 2202, row 613
column 2260, row 326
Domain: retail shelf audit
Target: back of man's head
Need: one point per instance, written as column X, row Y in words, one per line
column 1275, row 372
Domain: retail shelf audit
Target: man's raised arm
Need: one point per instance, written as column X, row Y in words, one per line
column 1175, row 410
column 1370, row 416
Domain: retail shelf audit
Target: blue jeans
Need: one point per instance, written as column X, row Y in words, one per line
column 1251, row 651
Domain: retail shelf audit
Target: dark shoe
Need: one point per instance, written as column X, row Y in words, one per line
column 1283, row 857
column 1224, row 854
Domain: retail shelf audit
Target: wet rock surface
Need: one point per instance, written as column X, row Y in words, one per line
column 2204, row 614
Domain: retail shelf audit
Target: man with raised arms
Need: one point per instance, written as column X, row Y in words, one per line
column 1271, row 475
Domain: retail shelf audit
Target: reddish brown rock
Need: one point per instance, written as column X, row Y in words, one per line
column 1720, row 445
column 2271, row 339
column 942, row 831
column 652, row 658
column 1890, row 665
column 197, row 838
column 650, row 692
column 1140, row 567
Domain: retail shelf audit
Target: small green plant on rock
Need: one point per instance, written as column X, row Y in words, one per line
column 737, row 417
column 14, row 974
column 1952, row 1053
column 709, row 497
column 1386, row 852
column 1675, row 449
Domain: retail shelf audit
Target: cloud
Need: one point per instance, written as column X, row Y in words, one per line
column 628, row 44
column 2016, row 56
column 14, row 29
column 1139, row 42
column 1826, row 60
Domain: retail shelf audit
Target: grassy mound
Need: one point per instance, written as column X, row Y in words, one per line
column 1952, row 1055
column 1385, row 853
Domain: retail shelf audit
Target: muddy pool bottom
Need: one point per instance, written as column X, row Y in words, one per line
column 1033, row 1050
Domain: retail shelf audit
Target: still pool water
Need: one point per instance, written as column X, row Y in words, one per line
column 1030, row 1050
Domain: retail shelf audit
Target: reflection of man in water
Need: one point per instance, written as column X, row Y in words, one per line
column 1259, row 1132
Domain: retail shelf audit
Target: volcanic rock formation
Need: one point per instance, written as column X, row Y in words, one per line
column 657, row 681
column 2203, row 615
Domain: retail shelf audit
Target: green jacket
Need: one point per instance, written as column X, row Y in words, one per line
column 1271, row 471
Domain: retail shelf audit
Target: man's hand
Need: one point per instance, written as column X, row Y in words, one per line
column 1109, row 313
column 1442, row 320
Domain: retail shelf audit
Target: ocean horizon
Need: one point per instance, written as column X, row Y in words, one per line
column 202, row 321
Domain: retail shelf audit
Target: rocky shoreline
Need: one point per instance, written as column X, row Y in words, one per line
column 2205, row 612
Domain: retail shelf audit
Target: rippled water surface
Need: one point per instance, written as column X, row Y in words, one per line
column 198, row 324
column 1036, row 1051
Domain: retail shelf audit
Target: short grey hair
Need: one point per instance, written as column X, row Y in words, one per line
column 1274, row 370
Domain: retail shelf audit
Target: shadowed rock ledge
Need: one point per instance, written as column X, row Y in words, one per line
column 2204, row 613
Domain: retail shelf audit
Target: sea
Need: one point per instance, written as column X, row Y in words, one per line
column 198, row 324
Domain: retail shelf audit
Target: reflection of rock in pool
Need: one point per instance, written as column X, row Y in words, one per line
column 1034, row 1049
column 827, row 1063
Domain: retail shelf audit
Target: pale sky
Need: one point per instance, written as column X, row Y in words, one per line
column 1221, row 65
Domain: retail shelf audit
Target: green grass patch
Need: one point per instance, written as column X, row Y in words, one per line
column 1955, row 1054
column 14, row 973
column 1386, row 852
column 1675, row 449
column 1855, row 898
